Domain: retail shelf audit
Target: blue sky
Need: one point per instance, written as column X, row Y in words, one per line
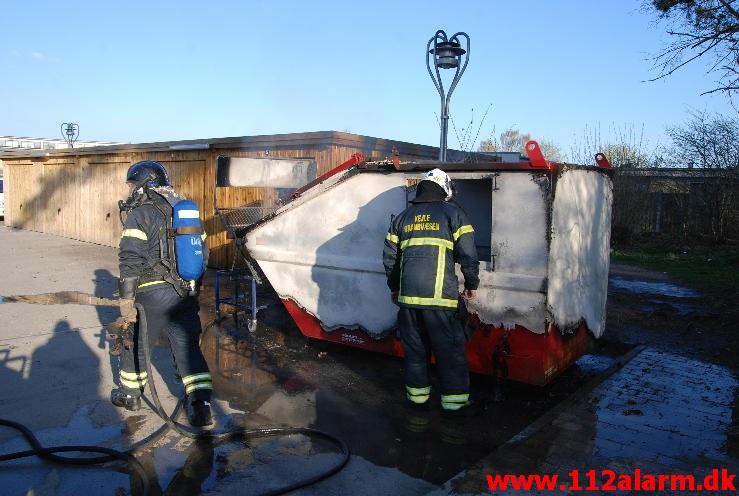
column 149, row 71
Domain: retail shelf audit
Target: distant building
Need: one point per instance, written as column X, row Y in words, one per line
column 679, row 202
column 22, row 145
column 505, row 156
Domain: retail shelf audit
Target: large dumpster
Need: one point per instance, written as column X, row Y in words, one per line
column 542, row 232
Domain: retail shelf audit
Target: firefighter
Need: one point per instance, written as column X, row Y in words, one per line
column 145, row 264
column 421, row 248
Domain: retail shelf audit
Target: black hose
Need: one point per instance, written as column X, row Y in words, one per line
column 109, row 455
column 48, row 454
column 239, row 432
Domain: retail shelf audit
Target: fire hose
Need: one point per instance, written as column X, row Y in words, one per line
column 107, row 455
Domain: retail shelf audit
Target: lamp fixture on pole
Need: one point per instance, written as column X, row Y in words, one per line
column 446, row 53
column 70, row 132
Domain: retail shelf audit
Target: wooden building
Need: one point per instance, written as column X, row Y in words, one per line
column 74, row 192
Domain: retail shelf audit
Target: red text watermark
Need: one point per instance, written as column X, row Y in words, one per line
column 609, row 480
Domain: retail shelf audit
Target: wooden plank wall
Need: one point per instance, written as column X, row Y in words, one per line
column 76, row 196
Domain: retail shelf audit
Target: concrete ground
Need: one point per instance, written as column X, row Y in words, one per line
column 661, row 414
column 56, row 374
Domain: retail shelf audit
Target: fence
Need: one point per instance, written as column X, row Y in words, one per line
column 683, row 204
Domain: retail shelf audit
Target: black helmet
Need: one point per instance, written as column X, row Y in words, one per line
column 148, row 173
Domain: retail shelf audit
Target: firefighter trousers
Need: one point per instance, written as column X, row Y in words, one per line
column 424, row 332
column 167, row 312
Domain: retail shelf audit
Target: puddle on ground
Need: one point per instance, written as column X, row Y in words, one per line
column 61, row 298
column 666, row 306
column 594, row 363
column 653, row 288
column 278, row 378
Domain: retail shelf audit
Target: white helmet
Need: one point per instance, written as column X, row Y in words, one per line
column 441, row 178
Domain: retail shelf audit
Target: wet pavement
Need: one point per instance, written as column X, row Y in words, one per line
column 56, row 375
column 658, row 288
column 357, row 396
column 661, row 413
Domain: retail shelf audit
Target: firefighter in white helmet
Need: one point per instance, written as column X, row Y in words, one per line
column 421, row 249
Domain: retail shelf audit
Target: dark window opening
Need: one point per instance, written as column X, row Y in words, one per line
column 475, row 197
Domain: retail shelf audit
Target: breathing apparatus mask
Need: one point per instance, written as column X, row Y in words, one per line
column 135, row 196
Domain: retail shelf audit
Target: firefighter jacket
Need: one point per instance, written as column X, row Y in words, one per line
column 144, row 250
column 421, row 247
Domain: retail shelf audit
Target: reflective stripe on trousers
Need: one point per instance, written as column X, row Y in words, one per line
column 194, row 382
column 133, row 380
column 418, row 395
column 454, row 401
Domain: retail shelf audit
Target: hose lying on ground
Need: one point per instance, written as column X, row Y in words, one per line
column 110, row 455
column 48, row 454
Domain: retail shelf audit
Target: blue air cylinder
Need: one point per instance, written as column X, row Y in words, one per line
column 188, row 240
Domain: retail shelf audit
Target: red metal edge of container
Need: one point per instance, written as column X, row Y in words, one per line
column 534, row 358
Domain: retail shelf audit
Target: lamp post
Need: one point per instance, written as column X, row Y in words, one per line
column 447, row 54
column 70, row 132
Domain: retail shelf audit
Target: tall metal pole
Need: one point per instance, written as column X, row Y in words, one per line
column 447, row 54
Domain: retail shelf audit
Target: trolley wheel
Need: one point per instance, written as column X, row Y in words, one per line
column 252, row 325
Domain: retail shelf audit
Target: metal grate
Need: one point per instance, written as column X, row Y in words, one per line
column 236, row 220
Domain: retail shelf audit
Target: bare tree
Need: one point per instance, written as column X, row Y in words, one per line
column 551, row 151
column 513, row 140
column 625, row 146
column 701, row 28
column 710, row 141
column 707, row 141
column 509, row 140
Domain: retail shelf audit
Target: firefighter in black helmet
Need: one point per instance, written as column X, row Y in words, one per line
column 145, row 277
column 421, row 248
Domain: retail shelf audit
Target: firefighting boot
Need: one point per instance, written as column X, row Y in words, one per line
column 120, row 398
column 198, row 413
column 471, row 408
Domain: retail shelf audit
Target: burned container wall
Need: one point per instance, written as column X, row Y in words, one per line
column 580, row 249
column 324, row 251
column 513, row 280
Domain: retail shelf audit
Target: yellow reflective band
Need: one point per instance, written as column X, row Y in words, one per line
column 198, row 385
column 400, row 283
column 196, row 377
column 455, row 398
column 427, row 242
column 392, row 238
column 133, row 376
column 203, row 236
column 151, row 283
column 462, row 230
column 418, row 391
column 435, row 302
column 133, row 384
column 454, row 401
column 134, row 233
column 418, row 398
column 440, row 271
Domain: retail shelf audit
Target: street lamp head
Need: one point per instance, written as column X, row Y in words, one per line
column 70, row 132
column 447, row 54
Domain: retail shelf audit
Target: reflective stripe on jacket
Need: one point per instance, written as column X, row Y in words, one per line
column 421, row 247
